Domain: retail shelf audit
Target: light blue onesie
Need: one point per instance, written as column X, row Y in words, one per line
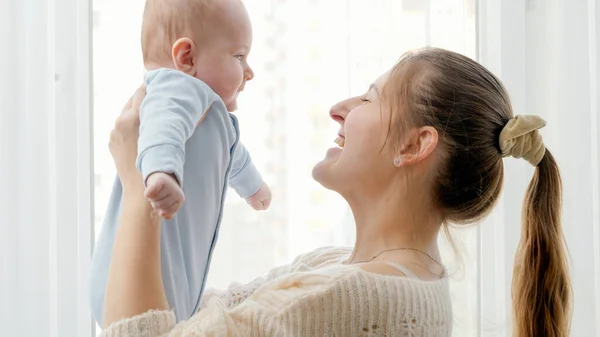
column 204, row 158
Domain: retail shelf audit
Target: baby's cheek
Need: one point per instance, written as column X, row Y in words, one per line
column 230, row 85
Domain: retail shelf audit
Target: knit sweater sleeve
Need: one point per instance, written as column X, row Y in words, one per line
column 236, row 293
column 150, row 324
column 335, row 302
column 295, row 305
column 281, row 307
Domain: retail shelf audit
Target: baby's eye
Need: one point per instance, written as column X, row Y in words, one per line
column 239, row 56
column 364, row 100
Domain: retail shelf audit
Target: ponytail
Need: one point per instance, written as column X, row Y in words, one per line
column 541, row 287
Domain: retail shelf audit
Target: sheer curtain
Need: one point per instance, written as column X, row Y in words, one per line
column 307, row 55
column 45, row 168
column 546, row 53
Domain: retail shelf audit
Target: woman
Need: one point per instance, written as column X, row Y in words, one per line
column 421, row 148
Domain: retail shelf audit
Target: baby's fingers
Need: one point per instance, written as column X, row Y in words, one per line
column 158, row 194
column 169, row 212
column 163, row 203
column 155, row 191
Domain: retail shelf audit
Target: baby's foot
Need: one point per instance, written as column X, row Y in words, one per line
column 261, row 200
column 165, row 194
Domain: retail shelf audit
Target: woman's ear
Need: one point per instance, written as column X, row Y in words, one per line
column 417, row 146
column 183, row 53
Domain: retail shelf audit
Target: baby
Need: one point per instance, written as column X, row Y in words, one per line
column 210, row 49
column 195, row 52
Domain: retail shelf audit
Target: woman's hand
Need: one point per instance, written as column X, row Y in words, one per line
column 124, row 138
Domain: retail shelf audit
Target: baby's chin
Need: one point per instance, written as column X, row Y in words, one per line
column 232, row 105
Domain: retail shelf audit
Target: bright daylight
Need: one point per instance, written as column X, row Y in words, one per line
column 179, row 168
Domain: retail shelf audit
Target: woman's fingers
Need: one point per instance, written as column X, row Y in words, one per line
column 129, row 117
column 127, row 105
column 124, row 136
column 137, row 99
column 129, row 120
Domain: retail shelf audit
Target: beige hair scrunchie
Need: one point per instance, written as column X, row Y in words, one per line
column 520, row 138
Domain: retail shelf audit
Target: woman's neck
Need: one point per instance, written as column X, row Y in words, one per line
column 391, row 223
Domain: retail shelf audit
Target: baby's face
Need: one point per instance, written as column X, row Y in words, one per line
column 221, row 62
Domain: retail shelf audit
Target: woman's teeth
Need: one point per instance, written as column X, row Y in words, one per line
column 339, row 141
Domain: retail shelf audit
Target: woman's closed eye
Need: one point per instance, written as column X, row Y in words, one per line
column 364, row 100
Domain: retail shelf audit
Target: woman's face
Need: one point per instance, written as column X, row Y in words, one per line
column 360, row 163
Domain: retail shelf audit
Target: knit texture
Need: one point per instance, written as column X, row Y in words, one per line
column 315, row 295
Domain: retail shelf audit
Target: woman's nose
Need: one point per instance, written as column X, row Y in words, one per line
column 339, row 111
column 337, row 114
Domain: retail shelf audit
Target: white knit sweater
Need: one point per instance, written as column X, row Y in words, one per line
column 315, row 295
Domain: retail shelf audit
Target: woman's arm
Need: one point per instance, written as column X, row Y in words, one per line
column 134, row 284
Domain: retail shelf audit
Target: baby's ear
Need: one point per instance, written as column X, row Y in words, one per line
column 183, row 55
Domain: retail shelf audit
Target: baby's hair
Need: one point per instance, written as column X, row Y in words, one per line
column 166, row 21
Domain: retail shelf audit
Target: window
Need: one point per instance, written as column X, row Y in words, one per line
column 306, row 57
column 46, row 145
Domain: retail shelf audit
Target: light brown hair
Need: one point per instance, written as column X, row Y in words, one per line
column 469, row 107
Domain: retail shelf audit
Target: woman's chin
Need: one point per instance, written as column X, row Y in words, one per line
column 322, row 171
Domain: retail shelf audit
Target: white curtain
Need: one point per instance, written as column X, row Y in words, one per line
column 45, row 168
column 546, row 52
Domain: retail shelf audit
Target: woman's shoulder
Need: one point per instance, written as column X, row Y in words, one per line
column 371, row 287
column 321, row 256
column 338, row 292
column 355, row 281
column 406, row 299
column 383, row 278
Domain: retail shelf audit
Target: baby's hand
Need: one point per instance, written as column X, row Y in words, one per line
column 261, row 200
column 164, row 193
